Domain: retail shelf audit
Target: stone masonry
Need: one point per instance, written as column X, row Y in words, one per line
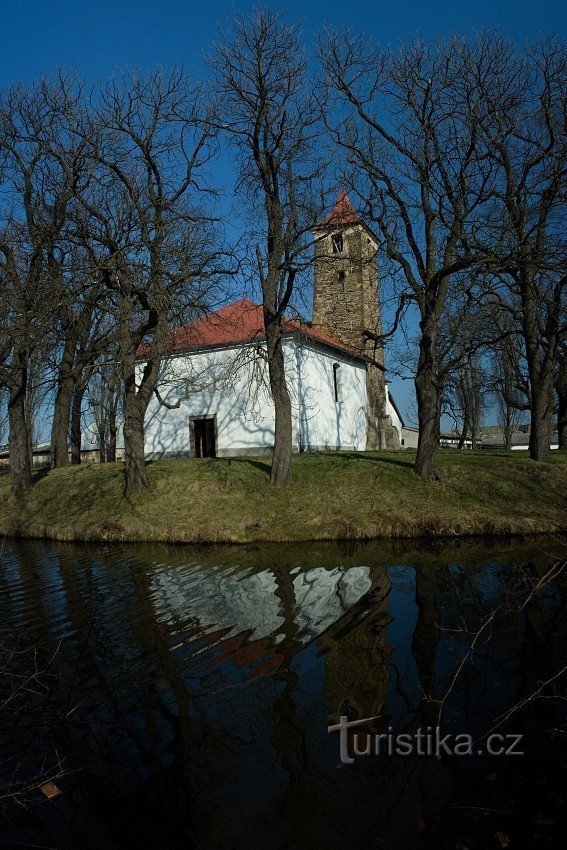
column 347, row 303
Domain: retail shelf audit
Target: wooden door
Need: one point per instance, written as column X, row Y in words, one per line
column 205, row 438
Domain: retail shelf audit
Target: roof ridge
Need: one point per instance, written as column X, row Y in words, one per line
column 238, row 322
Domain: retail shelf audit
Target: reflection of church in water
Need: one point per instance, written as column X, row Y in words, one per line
column 263, row 619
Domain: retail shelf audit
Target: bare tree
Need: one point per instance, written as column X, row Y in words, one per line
column 104, row 398
column 270, row 115
column 561, row 391
column 523, row 122
column 508, row 381
column 470, row 391
column 84, row 331
column 406, row 122
column 39, row 187
column 149, row 240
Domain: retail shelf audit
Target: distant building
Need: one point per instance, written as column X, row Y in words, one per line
column 410, row 437
column 492, row 437
column 41, row 455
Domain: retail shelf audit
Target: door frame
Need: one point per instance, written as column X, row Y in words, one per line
column 192, row 420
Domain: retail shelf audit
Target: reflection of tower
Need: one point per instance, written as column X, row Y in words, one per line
column 357, row 653
column 346, row 302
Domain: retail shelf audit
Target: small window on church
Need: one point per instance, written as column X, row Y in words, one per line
column 337, row 242
column 337, row 381
column 342, row 275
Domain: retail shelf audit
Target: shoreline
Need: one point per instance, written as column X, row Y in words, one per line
column 335, row 497
column 430, row 537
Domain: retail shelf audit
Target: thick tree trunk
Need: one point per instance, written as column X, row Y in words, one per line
column 134, row 449
column 540, row 370
column 76, row 411
column 540, row 421
column 61, row 418
column 280, row 474
column 561, row 390
column 428, row 410
column 134, row 453
column 138, row 390
column 20, row 461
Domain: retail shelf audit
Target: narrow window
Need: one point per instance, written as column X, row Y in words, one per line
column 336, row 381
column 342, row 275
column 337, row 242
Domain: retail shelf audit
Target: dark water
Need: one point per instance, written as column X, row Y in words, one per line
column 181, row 698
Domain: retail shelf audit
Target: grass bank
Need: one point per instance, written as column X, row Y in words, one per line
column 333, row 497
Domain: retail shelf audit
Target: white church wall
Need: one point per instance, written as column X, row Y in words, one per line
column 212, row 383
column 320, row 420
column 394, row 418
column 231, row 384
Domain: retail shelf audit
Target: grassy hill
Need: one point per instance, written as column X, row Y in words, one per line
column 334, row 496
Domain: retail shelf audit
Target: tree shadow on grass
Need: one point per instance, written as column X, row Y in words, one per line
column 262, row 465
column 373, row 457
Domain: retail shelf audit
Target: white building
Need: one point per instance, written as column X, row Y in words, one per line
column 216, row 374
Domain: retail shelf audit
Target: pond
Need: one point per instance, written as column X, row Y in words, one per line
column 176, row 697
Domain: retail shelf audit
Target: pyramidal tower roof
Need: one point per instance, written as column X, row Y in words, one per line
column 343, row 214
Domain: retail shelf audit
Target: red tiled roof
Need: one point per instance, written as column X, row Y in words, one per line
column 343, row 212
column 240, row 322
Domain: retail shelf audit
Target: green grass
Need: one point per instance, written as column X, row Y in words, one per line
column 334, row 496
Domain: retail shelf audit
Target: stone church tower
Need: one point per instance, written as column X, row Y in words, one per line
column 346, row 304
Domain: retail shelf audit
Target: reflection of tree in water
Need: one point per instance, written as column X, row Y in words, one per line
column 214, row 731
column 356, row 656
column 426, row 636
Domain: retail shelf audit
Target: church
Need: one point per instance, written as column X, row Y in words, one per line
column 214, row 397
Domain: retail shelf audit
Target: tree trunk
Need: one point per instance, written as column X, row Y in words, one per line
column 561, row 390
column 76, row 411
column 134, row 453
column 112, row 429
column 62, row 413
column 102, row 444
column 134, row 449
column 508, row 437
column 463, row 437
column 280, row 474
column 428, row 410
column 540, row 422
column 20, row 462
column 540, row 370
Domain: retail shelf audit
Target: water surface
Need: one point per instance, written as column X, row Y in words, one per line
column 179, row 697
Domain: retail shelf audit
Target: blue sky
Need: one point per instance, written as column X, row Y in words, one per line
column 98, row 37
